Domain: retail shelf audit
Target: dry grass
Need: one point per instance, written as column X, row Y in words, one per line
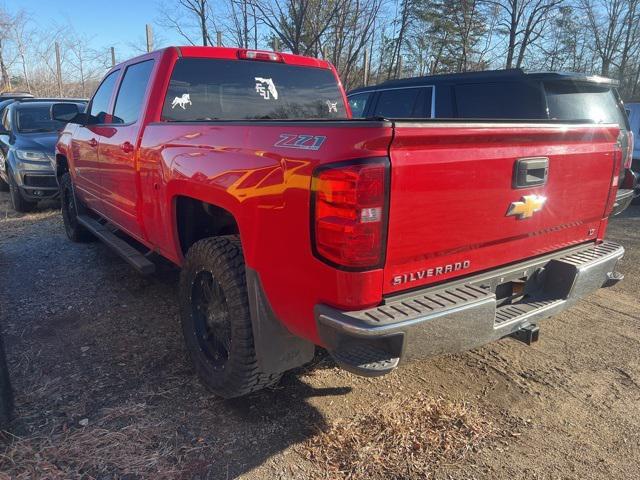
column 405, row 440
column 121, row 442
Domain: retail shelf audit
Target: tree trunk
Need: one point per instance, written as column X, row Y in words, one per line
column 4, row 74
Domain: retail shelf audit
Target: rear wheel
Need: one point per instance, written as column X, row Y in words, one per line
column 18, row 202
column 75, row 231
column 215, row 317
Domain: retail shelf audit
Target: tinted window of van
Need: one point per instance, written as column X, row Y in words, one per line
column 358, row 104
column 575, row 101
column 404, row 103
column 499, row 100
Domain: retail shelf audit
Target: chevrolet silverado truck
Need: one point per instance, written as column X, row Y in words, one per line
column 295, row 225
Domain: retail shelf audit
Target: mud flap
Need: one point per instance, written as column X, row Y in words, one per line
column 277, row 349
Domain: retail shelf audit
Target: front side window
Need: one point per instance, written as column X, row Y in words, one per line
column 404, row 103
column 358, row 104
column 211, row 89
column 100, row 103
column 132, row 92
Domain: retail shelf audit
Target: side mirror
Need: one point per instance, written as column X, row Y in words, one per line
column 67, row 113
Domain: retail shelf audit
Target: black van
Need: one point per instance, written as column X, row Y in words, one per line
column 504, row 95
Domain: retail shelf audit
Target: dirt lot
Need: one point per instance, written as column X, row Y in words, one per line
column 103, row 389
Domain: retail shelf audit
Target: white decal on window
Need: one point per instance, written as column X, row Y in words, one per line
column 266, row 88
column 333, row 106
column 181, row 101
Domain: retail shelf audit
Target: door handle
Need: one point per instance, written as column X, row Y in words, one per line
column 530, row 172
column 127, row 147
column 93, row 143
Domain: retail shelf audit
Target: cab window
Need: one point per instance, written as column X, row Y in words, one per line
column 132, row 92
column 358, row 104
column 100, row 102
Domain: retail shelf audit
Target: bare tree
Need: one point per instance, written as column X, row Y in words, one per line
column 352, row 30
column 243, row 23
column 299, row 24
column 6, row 25
column 86, row 63
column 523, row 21
column 606, row 22
column 188, row 15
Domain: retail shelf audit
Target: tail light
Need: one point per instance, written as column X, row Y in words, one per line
column 629, row 153
column 349, row 209
column 259, row 55
column 613, row 188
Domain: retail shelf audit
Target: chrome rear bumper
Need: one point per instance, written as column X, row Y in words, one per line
column 464, row 314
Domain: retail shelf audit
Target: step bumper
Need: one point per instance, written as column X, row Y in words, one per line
column 464, row 314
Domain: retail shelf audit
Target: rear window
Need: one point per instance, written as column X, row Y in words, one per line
column 500, row 100
column 211, row 89
column 575, row 101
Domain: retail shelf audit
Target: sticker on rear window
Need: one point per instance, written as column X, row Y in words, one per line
column 182, row 101
column 332, row 106
column 266, row 88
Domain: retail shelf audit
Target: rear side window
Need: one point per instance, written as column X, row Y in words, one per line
column 131, row 93
column 358, row 104
column 212, row 89
column 404, row 103
column 499, row 100
column 574, row 101
column 100, row 102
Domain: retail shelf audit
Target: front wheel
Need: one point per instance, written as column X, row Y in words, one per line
column 75, row 231
column 215, row 317
column 19, row 203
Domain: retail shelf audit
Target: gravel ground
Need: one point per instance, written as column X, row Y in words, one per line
column 103, row 388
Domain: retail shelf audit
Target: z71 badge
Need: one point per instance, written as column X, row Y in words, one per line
column 301, row 142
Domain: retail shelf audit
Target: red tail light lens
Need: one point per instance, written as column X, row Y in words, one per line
column 259, row 55
column 613, row 189
column 349, row 213
column 629, row 153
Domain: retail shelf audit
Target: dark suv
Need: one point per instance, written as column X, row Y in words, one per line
column 505, row 95
column 27, row 144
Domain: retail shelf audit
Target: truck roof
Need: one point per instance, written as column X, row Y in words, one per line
column 487, row 76
column 233, row 54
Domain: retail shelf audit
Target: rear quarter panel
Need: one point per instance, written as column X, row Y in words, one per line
column 239, row 167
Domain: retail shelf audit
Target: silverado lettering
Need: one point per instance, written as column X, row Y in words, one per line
column 281, row 250
column 431, row 272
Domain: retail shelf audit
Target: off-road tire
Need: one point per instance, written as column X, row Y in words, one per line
column 19, row 203
column 220, row 261
column 70, row 207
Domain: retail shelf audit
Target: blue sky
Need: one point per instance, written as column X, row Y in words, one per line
column 108, row 22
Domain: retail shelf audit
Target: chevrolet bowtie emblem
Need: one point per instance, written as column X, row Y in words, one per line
column 529, row 205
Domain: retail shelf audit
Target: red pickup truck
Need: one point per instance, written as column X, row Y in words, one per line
column 295, row 225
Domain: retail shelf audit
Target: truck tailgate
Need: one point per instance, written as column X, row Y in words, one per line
column 453, row 187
